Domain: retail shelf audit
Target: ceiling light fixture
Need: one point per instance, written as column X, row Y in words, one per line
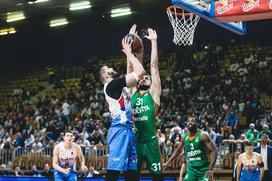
column 58, row 22
column 7, row 31
column 15, row 16
column 80, row 5
column 37, row 1
column 120, row 12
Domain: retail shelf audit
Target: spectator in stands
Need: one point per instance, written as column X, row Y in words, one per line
column 258, row 126
column 66, row 109
column 3, row 170
column 175, row 129
column 250, row 132
column 232, row 121
column 37, row 146
column 168, row 149
column 60, row 138
column 211, row 133
column 241, row 142
column 47, row 172
column 7, row 144
column 20, row 140
column 18, row 172
column 96, row 137
column 29, row 139
column 232, row 143
column 266, row 153
column 236, row 155
column 92, row 172
column 219, row 131
column 161, row 138
column 175, row 136
column 35, row 172
column 266, row 131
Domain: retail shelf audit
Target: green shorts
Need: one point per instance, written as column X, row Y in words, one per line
column 196, row 174
column 148, row 151
column 189, row 177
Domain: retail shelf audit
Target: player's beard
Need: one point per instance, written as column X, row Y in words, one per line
column 143, row 87
column 193, row 128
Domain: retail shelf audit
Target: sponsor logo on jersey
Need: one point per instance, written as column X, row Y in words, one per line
column 143, row 118
column 250, row 5
column 139, row 110
column 194, row 153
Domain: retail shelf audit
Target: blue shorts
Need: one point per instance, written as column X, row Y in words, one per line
column 249, row 176
column 59, row 176
column 122, row 151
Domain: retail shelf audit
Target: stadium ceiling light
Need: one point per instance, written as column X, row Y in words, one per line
column 15, row 16
column 80, row 5
column 37, row 1
column 7, row 31
column 58, row 22
column 120, row 12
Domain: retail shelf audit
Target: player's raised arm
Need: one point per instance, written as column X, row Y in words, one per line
column 138, row 70
column 155, row 88
column 129, row 66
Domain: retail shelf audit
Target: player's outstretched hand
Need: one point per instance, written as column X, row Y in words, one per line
column 126, row 46
column 133, row 29
column 152, row 35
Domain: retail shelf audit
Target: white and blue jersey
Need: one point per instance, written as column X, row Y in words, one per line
column 121, row 110
column 250, row 170
column 67, row 159
column 121, row 140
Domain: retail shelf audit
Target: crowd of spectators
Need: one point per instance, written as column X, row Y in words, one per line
column 215, row 84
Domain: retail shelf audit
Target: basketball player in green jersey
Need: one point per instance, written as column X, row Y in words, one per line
column 145, row 101
column 195, row 142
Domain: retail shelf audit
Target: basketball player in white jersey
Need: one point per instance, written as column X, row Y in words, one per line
column 64, row 159
column 250, row 166
column 121, row 140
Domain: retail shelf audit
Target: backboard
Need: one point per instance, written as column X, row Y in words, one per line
column 206, row 9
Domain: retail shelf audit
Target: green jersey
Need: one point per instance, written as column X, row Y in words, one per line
column 250, row 135
column 144, row 111
column 196, row 151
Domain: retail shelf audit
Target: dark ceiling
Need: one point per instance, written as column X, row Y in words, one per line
column 93, row 33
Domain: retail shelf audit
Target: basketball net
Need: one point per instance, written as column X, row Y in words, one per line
column 183, row 24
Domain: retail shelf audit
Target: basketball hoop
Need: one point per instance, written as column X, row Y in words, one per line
column 183, row 24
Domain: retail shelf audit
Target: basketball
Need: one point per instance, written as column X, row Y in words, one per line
column 137, row 44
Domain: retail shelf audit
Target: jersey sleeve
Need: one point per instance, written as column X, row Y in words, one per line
column 115, row 87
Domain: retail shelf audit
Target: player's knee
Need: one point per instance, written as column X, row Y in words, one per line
column 112, row 175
